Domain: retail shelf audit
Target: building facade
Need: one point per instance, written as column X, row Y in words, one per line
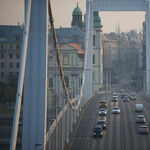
column 10, row 50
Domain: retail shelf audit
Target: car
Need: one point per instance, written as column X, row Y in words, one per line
column 122, row 96
column 102, row 123
column 112, row 85
column 102, row 111
column 114, row 94
column 139, row 107
column 133, row 97
column 126, row 90
column 140, row 118
column 98, row 131
column 116, row 110
column 103, row 103
column 121, row 90
column 126, row 99
column 137, row 90
column 114, row 99
column 144, row 129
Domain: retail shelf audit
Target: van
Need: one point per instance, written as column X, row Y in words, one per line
column 139, row 107
column 103, row 103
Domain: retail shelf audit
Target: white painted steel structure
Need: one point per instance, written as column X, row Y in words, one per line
column 35, row 81
column 124, row 5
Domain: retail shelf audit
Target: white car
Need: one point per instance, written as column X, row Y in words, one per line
column 102, row 111
column 116, row 110
column 140, row 118
column 144, row 129
column 133, row 97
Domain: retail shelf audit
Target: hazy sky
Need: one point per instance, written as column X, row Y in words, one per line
column 12, row 12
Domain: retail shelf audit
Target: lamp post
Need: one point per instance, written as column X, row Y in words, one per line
column 77, row 100
column 71, row 110
column 74, row 102
column 38, row 144
column 67, row 139
column 57, row 107
column 50, row 120
column 63, row 120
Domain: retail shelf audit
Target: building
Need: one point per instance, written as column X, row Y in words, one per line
column 10, row 50
column 97, row 53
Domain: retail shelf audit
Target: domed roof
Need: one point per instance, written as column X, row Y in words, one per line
column 97, row 20
column 77, row 11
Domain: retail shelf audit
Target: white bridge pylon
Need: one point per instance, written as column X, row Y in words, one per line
column 120, row 5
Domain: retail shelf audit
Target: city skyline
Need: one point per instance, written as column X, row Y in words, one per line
column 12, row 12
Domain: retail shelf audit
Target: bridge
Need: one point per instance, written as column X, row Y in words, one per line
column 38, row 132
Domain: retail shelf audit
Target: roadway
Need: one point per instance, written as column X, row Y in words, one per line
column 122, row 131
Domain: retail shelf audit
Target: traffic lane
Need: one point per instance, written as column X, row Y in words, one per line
column 84, row 131
column 144, row 138
column 101, row 142
column 114, row 134
column 130, row 140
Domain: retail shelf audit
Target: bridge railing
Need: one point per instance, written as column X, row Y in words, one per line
column 65, row 112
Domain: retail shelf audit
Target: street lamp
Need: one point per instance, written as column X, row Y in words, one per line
column 74, row 101
column 71, row 109
column 67, row 139
column 50, row 120
column 57, row 107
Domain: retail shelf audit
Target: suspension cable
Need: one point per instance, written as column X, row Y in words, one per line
column 57, row 56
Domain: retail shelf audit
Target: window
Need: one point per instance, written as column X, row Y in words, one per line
column 10, row 73
column 94, row 37
column 10, row 46
column 17, row 56
column 80, row 82
column 50, row 82
column 17, row 65
column 75, row 38
column 10, row 55
column 17, row 73
column 10, row 65
column 66, row 59
column 17, row 46
column 93, row 75
column 2, row 56
column 93, row 58
column 2, row 46
column 82, row 46
column 66, row 81
column 18, row 38
column 2, row 74
column 2, row 65
column 80, row 18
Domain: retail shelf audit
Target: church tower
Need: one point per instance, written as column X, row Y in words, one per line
column 77, row 18
column 97, row 52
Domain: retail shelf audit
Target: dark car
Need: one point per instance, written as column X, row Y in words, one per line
column 122, row 96
column 102, row 123
column 98, row 131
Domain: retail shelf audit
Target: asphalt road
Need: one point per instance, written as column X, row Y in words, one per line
column 122, row 131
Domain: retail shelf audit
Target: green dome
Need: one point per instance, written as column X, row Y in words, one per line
column 77, row 11
column 97, row 20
